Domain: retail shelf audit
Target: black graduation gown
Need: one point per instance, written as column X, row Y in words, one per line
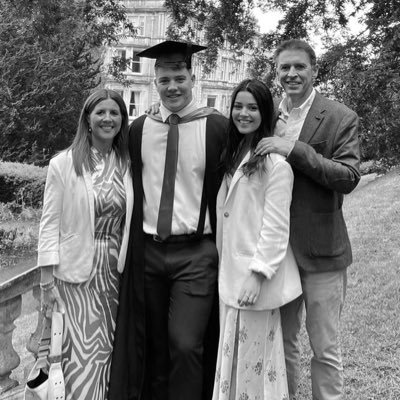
column 127, row 381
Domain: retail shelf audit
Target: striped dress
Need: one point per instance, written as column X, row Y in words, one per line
column 91, row 307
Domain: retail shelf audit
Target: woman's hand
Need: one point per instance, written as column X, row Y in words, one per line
column 49, row 298
column 250, row 289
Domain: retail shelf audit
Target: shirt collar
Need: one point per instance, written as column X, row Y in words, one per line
column 165, row 113
column 99, row 154
column 301, row 110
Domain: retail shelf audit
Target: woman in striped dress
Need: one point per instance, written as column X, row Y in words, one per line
column 83, row 241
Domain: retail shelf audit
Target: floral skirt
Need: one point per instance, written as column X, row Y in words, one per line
column 251, row 361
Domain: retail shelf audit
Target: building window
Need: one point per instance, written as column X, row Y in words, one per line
column 224, row 67
column 234, row 69
column 211, row 101
column 134, row 104
column 224, row 104
column 139, row 23
column 135, row 63
column 237, row 71
column 212, row 75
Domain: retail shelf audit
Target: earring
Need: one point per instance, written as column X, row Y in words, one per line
column 90, row 129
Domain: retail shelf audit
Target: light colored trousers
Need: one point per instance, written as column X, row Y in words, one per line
column 323, row 297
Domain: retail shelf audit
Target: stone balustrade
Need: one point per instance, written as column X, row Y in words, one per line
column 15, row 282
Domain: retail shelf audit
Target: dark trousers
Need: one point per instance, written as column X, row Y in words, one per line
column 180, row 282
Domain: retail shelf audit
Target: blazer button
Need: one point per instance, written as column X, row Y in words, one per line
column 226, row 214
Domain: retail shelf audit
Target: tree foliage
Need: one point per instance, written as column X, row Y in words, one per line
column 361, row 70
column 230, row 21
column 50, row 59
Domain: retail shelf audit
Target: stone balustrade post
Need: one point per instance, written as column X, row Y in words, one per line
column 10, row 310
column 15, row 282
column 33, row 342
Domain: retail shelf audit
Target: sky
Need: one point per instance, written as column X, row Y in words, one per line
column 267, row 21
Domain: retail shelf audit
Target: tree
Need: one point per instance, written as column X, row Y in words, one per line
column 50, row 59
column 225, row 20
column 362, row 71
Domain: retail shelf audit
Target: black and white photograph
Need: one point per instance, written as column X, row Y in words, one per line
column 199, row 200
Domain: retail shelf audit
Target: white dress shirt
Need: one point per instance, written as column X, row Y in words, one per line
column 289, row 124
column 189, row 174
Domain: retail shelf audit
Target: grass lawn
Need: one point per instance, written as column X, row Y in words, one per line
column 371, row 317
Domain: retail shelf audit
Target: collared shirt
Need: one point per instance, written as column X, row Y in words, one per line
column 289, row 124
column 189, row 174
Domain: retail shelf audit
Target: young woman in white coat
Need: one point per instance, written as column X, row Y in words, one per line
column 83, row 241
column 257, row 269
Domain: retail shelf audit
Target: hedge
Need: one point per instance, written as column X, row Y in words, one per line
column 22, row 183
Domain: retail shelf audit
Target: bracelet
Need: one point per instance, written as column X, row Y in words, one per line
column 47, row 285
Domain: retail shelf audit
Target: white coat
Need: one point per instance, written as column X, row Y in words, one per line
column 253, row 216
column 66, row 232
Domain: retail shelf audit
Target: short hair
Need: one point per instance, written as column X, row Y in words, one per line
column 296, row 44
column 82, row 142
column 174, row 65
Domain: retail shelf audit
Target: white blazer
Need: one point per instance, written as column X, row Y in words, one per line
column 66, row 232
column 253, row 217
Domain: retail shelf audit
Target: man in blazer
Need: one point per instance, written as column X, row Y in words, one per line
column 167, row 330
column 319, row 139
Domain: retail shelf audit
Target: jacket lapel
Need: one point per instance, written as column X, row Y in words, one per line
column 237, row 175
column 313, row 119
column 128, row 193
column 87, row 176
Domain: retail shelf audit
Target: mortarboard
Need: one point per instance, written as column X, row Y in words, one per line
column 170, row 53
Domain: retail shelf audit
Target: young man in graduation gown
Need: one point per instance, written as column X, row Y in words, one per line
column 167, row 328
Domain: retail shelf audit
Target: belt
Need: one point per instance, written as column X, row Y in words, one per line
column 193, row 237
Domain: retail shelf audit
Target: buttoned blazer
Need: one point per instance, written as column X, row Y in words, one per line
column 66, row 232
column 325, row 162
column 253, row 234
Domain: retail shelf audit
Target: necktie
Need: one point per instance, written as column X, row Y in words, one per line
column 167, row 193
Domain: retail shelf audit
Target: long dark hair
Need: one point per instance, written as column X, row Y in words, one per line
column 80, row 147
column 235, row 141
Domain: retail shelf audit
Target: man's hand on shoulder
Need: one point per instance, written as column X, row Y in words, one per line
column 153, row 109
column 274, row 144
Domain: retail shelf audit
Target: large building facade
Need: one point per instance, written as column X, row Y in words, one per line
column 151, row 20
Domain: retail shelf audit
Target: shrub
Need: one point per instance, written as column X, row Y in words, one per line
column 6, row 212
column 18, row 239
column 11, row 212
column 19, row 229
column 22, row 184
